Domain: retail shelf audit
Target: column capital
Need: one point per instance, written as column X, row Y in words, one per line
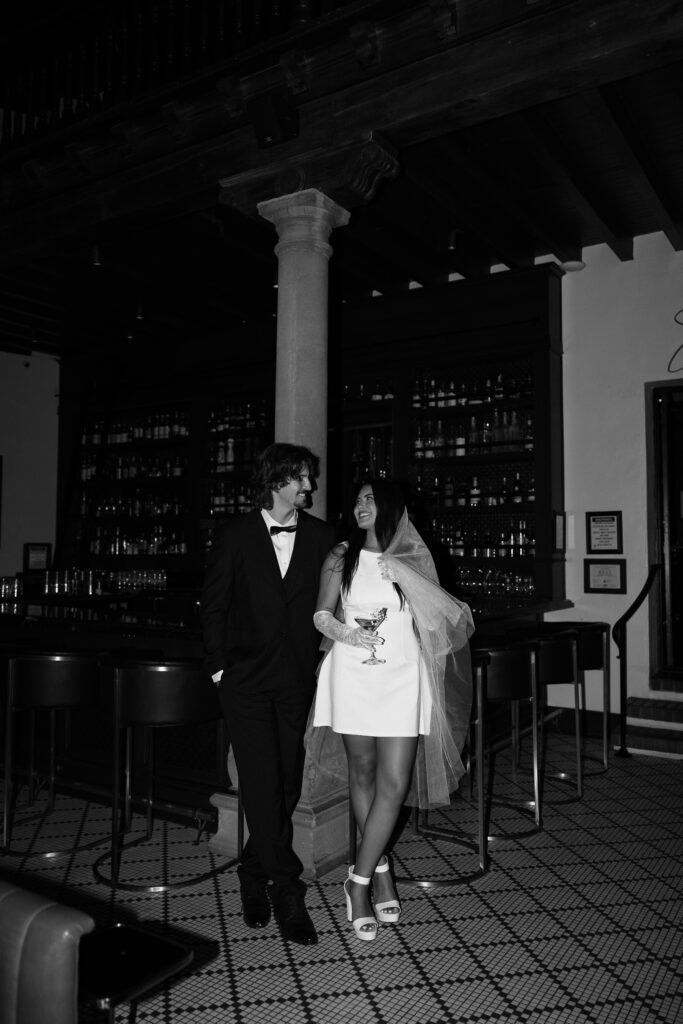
column 304, row 220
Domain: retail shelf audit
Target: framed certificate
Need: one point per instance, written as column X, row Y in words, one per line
column 604, row 575
column 604, row 533
column 37, row 557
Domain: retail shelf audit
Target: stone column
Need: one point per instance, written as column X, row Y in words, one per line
column 304, row 221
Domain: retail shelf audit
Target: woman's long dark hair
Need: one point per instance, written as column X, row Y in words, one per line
column 390, row 504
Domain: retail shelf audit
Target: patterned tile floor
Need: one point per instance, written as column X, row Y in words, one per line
column 581, row 922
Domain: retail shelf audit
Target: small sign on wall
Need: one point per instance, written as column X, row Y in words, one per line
column 604, row 533
column 604, row 575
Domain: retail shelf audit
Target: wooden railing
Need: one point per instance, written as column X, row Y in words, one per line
column 121, row 51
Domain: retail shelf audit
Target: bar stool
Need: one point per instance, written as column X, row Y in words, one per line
column 152, row 695
column 502, row 673
column 592, row 654
column 557, row 665
column 43, row 682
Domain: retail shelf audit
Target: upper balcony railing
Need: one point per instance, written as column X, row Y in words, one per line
column 117, row 52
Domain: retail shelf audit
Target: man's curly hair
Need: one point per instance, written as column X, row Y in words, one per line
column 276, row 466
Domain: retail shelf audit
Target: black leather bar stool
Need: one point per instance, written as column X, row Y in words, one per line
column 151, row 695
column 502, row 673
column 51, row 683
column 557, row 665
column 592, row 654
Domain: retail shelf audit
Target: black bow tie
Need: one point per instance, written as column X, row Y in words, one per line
column 282, row 529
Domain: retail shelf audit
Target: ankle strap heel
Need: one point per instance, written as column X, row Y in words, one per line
column 365, row 928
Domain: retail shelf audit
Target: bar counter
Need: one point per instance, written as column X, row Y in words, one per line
column 191, row 761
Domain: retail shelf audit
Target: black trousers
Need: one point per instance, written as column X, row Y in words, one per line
column 266, row 732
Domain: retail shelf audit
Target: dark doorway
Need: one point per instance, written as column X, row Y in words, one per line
column 666, row 539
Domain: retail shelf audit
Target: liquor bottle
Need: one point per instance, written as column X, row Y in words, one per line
column 499, row 388
column 462, row 394
column 530, row 495
column 488, row 547
column 514, row 393
column 488, row 390
column 475, row 546
column 458, row 545
column 460, row 440
column 229, row 455
column 416, row 400
column 473, row 436
column 428, row 441
column 435, row 492
column 376, row 395
column 418, row 443
column 517, row 496
column 474, row 493
column 441, row 396
column 461, row 495
column 503, row 549
column 439, row 440
column 448, row 492
column 514, row 434
column 451, row 395
column 497, row 431
column 388, row 392
column 474, row 397
column 486, row 435
column 528, row 438
column 488, row 496
column 521, row 540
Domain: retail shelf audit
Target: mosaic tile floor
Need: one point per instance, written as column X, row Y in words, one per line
column 581, row 922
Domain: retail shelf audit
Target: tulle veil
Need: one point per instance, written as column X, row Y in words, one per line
column 443, row 625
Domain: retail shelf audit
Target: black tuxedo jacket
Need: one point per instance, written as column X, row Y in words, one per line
column 257, row 626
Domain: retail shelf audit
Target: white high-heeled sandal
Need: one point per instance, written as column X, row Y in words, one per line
column 389, row 912
column 360, row 924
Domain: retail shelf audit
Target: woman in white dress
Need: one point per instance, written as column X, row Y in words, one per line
column 396, row 685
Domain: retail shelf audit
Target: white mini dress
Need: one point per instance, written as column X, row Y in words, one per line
column 374, row 700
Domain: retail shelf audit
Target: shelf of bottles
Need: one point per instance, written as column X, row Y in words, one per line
column 369, row 430
column 130, row 470
column 472, row 469
column 237, row 433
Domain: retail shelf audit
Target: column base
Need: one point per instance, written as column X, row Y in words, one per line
column 321, row 832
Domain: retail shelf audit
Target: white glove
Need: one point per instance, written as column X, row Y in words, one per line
column 332, row 628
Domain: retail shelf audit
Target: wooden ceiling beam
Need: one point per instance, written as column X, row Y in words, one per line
column 618, row 129
column 550, row 154
column 542, row 56
column 509, row 194
column 500, row 247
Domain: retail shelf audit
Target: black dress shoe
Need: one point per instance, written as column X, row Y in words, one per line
column 293, row 918
column 255, row 909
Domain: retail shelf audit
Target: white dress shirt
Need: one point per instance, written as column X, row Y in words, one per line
column 283, row 543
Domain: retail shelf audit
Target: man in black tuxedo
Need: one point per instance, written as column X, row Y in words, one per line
column 261, row 649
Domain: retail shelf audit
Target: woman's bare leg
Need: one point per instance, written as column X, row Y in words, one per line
column 379, row 776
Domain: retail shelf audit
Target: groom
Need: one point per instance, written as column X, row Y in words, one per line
column 261, row 648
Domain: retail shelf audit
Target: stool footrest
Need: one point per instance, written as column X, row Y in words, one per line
column 154, row 886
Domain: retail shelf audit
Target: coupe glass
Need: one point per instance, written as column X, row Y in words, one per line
column 370, row 622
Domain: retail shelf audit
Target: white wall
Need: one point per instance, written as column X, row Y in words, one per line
column 619, row 333
column 29, row 387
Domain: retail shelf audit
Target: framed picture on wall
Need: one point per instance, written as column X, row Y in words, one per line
column 604, row 575
column 37, row 557
column 604, row 533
